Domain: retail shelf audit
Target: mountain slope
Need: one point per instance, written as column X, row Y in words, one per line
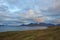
column 52, row 33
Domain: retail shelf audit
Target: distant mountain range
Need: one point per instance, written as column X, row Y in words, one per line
column 40, row 24
column 35, row 24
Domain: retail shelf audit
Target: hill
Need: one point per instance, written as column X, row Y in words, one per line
column 52, row 33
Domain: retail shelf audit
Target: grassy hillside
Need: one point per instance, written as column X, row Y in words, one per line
column 52, row 33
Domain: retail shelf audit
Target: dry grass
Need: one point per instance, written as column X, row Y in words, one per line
column 52, row 33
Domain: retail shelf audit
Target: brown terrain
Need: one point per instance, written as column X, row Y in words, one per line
column 52, row 33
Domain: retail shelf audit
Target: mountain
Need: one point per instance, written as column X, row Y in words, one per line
column 52, row 33
column 58, row 24
column 1, row 25
column 40, row 24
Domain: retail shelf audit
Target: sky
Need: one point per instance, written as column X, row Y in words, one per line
column 16, row 12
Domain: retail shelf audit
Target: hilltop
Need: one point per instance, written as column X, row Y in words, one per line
column 52, row 33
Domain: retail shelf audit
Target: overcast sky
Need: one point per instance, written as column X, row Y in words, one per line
column 29, row 11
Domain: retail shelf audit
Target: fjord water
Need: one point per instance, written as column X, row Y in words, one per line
column 21, row 28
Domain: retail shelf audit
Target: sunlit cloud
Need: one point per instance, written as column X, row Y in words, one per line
column 39, row 19
column 27, row 11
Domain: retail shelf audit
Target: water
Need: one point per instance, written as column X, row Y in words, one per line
column 22, row 28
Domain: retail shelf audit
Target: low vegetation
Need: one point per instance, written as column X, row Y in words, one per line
column 52, row 33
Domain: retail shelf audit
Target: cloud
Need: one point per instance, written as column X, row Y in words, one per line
column 39, row 19
column 55, row 8
column 27, row 11
column 56, row 21
column 53, row 12
column 30, row 13
column 32, row 16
